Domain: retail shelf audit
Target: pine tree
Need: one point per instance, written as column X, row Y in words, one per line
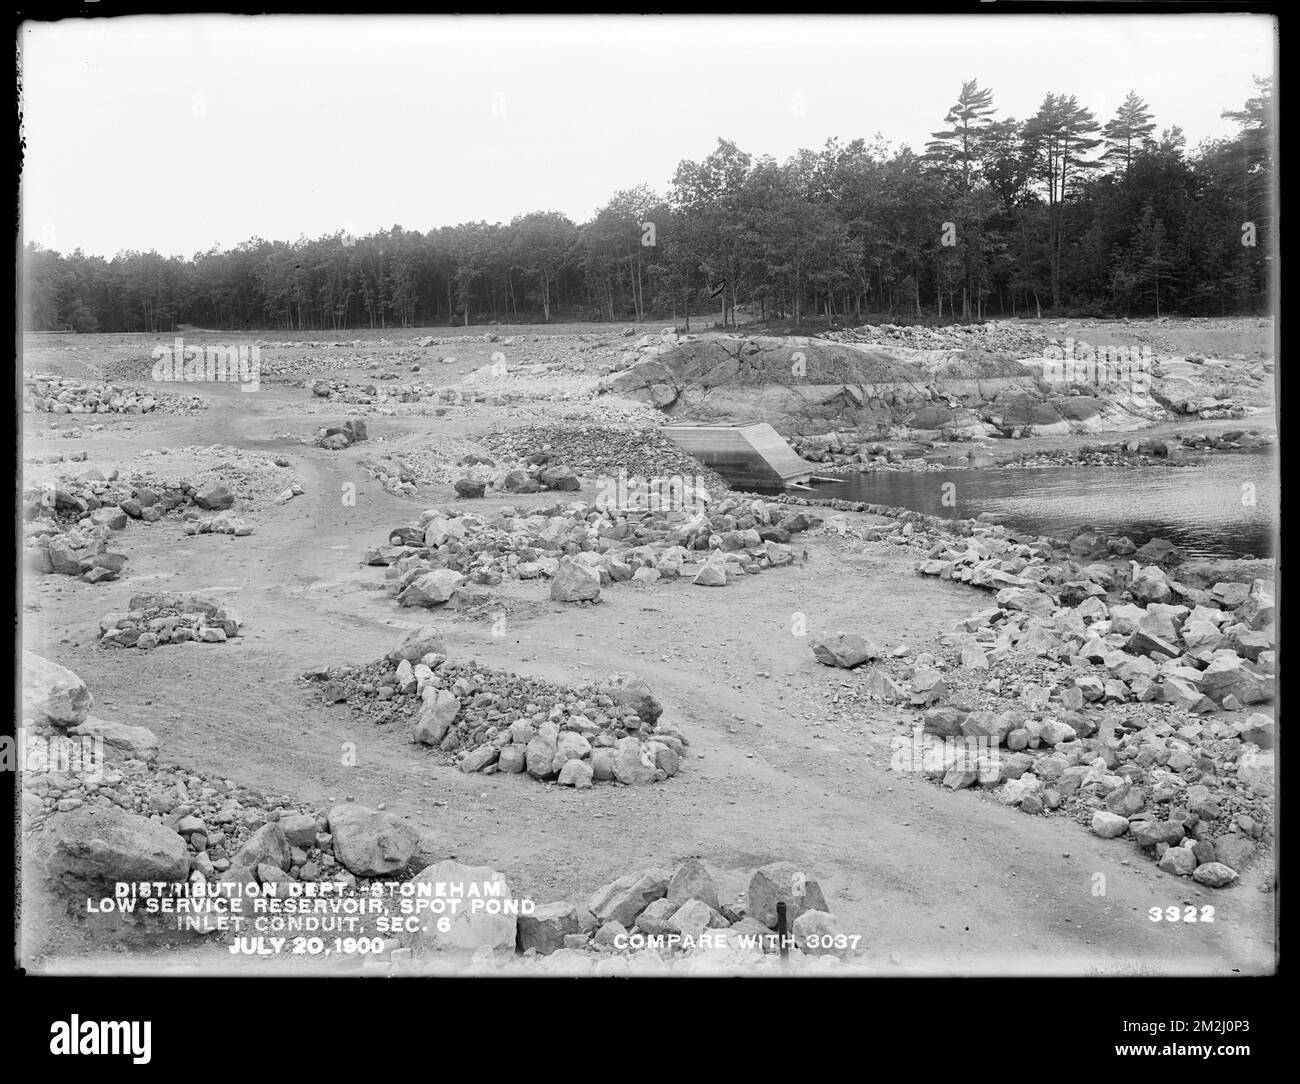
column 1056, row 139
column 1130, row 128
column 959, row 144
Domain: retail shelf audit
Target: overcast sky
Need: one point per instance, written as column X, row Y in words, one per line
column 177, row 133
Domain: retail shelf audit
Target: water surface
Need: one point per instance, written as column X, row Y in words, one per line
column 1204, row 508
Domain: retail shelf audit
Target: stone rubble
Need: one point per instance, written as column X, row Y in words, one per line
column 151, row 620
column 60, row 395
column 335, row 438
column 1120, row 698
column 494, row 722
column 640, row 451
column 446, row 555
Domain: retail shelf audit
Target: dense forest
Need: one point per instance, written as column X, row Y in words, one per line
column 1061, row 213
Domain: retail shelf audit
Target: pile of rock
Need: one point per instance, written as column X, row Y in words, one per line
column 991, row 559
column 91, row 495
column 50, row 546
column 68, row 525
column 169, row 618
column 434, row 462
column 1152, row 772
column 126, row 817
column 534, row 476
column 580, row 548
column 834, row 450
column 220, row 478
column 1106, row 716
column 390, row 394
column 59, row 395
column 595, row 450
column 1229, row 440
column 498, row 722
column 135, row 820
column 665, row 917
column 1117, row 675
column 1145, row 452
column 335, row 438
column 1200, row 649
column 990, row 335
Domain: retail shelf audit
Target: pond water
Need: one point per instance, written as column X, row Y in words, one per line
column 1205, row 508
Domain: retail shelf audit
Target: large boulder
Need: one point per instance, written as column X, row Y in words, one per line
column 633, row 763
column 1214, row 874
column 817, row 933
column 569, row 745
column 623, row 900
column 64, row 557
column 110, row 516
column 629, row 691
column 691, row 919
column 267, row 846
column 214, row 497
column 546, row 928
column 692, row 881
column 1151, row 585
column 539, row 756
column 560, row 478
column 482, row 757
column 53, row 692
column 95, row 847
column 299, row 829
column 1258, row 610
column 1259, row 730
column 1160, row 551
column 440, row 710
column 1151, row 833
column 470, row 487
column 575, row 773
column 654, row 919
column 426, row 640
column 845, row 650
column 432, row 589
column 131, row 741
column 782, row 882
column 574, row 582
column 1230, row 675
column 516, row 481
column 1108, row 825
column 711, row 574
column 1257, row 770
column 371, row 842
column 473, row 925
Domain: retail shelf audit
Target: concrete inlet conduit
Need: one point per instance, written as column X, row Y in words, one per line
column 749, row 455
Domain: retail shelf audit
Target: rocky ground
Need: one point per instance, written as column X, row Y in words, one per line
column 999, row 379
column 1127, row 735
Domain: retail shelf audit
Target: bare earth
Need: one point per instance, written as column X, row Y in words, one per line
column 934, row 881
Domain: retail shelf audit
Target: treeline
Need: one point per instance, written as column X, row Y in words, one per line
column 1058, row 214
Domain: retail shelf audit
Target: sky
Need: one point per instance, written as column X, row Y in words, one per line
column 177, row 133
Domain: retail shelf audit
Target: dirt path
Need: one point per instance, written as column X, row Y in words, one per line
column 932, row 880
